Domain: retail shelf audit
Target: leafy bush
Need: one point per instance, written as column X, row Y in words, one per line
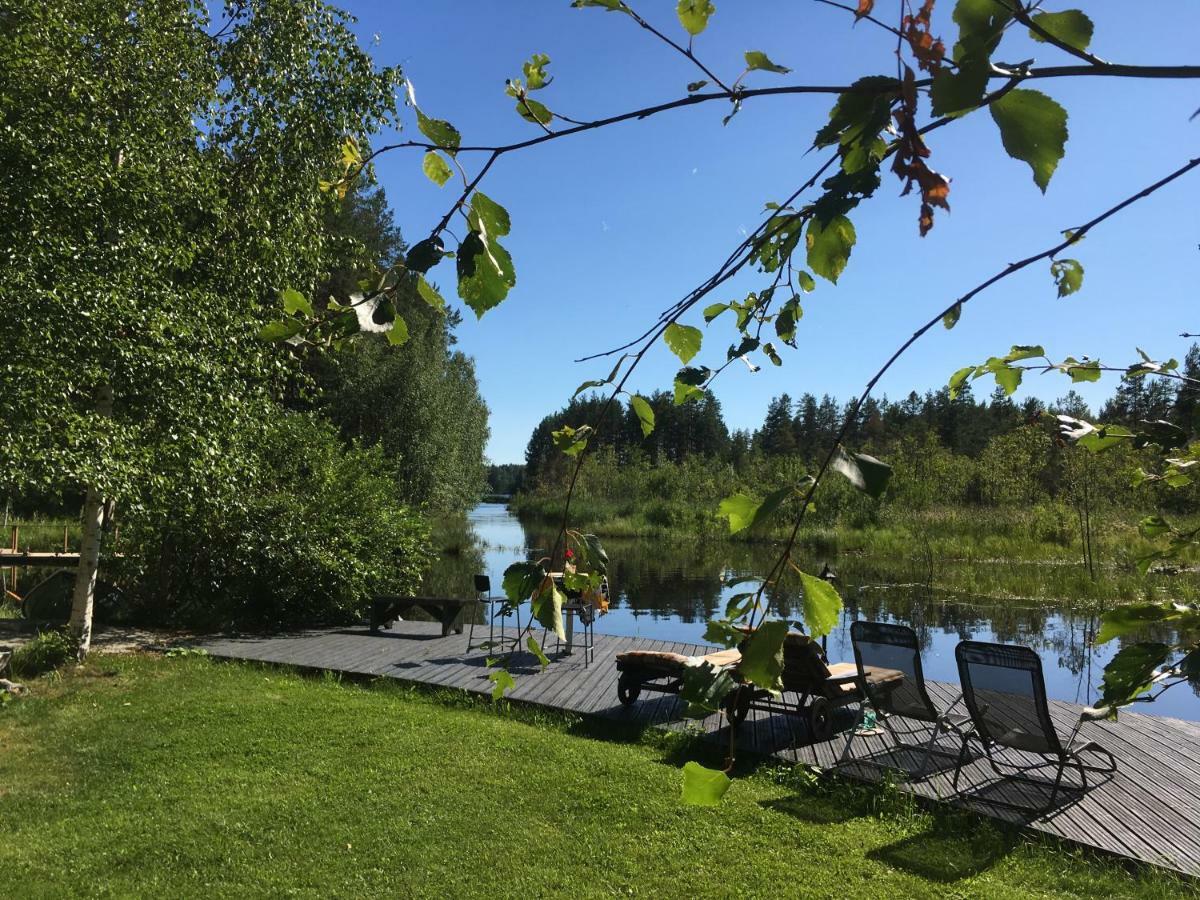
column 46, row 652
column 316, row 533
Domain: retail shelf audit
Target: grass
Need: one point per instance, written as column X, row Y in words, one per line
column 147, row 776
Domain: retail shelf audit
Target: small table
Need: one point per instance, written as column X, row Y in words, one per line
column 447, row 610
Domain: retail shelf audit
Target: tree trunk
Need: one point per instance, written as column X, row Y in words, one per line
column 82, row 600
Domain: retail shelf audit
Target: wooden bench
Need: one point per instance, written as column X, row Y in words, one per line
column 385, row 609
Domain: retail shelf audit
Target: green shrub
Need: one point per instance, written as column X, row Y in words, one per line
column 46, row 652
column 311, row 539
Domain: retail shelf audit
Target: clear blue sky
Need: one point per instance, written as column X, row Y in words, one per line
column 612, row 226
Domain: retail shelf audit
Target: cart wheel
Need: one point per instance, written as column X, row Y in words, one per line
column 820, row 719
column 737, row 706
column 628, row 690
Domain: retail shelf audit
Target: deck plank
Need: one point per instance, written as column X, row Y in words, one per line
column 1148, row 811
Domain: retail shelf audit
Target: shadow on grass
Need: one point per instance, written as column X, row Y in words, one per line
column 946, row 855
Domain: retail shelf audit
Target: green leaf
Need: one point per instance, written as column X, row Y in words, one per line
column 586, row 386
column 398, row 334
column 684, row 341
column 644, row 413
column 1008, row 378
column 694, row 86
column 442, row 133
column 785, row 322
column 762, row 656
column 607, row 5
column 693, row 15
column 688, row 383
column 532, row 645
column 981, row 26
column 1153, row 526
column 521, row 579
column 958, row 379
column 704, row 687
column 1088, row 371
column 1131, row 672
column 485, row 273
column 1068, row 275
column 713, row 310
column 1105, row 437
column 488, row 217
column 533, row 111
column 772, row 354
column 866, row 473
column 1122, row 620
column 281, row 330
column 1070, row 26
column 546, row 605
column 572, row 441
column 821, row 605
column 294, row 302
column 950, row 319
column 502, row 681
column 702, row 786
column 756, row 59
column 429, row 294
column 722, row 632
column 955, row 92
column 424, row 255
column 745, row 512
column 597, row 555
column 829, row 246
column 436, row 169
column 1033, row 129
column 806, row 282
column 535, row 72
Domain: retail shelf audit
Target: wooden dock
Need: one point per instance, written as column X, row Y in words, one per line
column 1148, row 811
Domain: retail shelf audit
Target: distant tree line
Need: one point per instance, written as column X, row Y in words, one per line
column 1007, row 450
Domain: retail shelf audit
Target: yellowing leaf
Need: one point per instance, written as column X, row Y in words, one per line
column 435, row 168
column 693, row 15
column 684, row 341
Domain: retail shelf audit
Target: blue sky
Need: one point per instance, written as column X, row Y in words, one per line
column 610, row 227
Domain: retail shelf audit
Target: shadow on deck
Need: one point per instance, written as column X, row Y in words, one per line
column 1148, row 811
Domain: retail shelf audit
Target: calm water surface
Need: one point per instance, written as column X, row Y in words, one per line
column 669, row 591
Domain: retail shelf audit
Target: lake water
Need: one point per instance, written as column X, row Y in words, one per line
column 669, row 591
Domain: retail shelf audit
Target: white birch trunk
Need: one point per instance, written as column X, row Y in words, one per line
column 83, row 598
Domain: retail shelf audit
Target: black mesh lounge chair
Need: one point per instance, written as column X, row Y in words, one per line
column 879, row 645
column 1005, row 692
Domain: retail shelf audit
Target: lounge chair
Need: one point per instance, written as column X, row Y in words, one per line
column 1005, row 692
column 661, row 671
column 820, row 686
column 880, row 645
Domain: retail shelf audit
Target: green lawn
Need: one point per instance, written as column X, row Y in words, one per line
column 182, row 777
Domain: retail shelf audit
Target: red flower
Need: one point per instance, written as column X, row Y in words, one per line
column 570, row 553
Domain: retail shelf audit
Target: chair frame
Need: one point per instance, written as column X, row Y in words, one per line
column 1062, row 754
column 483, row 589
column 942, row 721
column 820, row 692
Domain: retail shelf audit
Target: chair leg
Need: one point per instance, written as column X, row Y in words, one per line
column 933, row 736
column 858, row 718
column 1062, row 768
column 958, row 766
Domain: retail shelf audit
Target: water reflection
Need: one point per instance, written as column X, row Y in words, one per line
column 668, row 591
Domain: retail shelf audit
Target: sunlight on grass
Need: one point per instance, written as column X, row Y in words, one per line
column 183, row 776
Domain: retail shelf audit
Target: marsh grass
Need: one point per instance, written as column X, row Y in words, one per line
column 146, row 776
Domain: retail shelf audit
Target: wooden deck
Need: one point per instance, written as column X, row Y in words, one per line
column 1148, row 811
